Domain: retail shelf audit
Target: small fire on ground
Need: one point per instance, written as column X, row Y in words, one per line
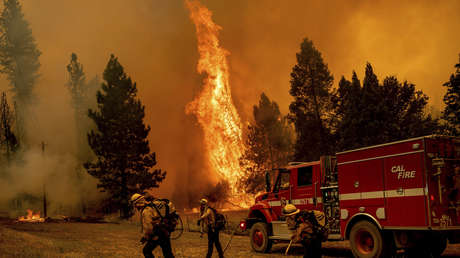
column 31, row 217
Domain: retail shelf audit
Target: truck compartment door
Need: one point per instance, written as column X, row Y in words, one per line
column 405, row 190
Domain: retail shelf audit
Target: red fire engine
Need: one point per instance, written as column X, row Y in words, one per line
column 398, row 195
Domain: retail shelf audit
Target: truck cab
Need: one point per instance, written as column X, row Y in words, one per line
column 300, row 183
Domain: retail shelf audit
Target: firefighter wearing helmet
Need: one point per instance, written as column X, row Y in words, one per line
column 308, row 228
column 152, row 229
column 208, row 220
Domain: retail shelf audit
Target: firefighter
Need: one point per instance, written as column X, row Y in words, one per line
column 308, row 229
column 154, row 232
column 208, row 219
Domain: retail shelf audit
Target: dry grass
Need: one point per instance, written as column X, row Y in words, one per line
column 122, row 240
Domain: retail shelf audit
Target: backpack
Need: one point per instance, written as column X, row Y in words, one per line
column 318, row 221
column 167, row 212
column 220, row 220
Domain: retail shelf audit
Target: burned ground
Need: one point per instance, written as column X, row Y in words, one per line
column 74, row 239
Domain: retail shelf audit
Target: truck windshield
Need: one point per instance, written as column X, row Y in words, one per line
column 277, row 179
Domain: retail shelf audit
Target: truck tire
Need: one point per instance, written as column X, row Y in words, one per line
column 366, row 240
column 437, row 245
column 259, row 238
column 431, row 245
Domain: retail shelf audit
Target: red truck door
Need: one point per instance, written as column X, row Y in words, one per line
column 361, row 185
column 280, row 190
column 306, row 187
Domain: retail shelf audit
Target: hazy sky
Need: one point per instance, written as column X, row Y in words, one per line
column 155, row 41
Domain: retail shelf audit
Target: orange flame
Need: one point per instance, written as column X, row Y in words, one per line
column 31, row 217
column 214, row 107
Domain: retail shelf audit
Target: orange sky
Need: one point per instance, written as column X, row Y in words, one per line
column 155, row 41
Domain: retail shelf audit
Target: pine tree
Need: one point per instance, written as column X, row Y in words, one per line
column 378, row 113
column 311, row 84
column 76, row 83
column 8, row 140
column 83, row 96
column 348, row 113
column 268, row 145
column 451, row 113
column 124, row 160
column 18, row 56
column 405, row 113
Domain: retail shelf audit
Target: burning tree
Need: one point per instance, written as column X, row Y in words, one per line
column 124, row 161
column 213, row 107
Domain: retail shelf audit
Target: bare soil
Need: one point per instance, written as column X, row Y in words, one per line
column 76, row 239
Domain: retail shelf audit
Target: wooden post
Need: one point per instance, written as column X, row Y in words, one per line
column 44, row 185
column 44, row 201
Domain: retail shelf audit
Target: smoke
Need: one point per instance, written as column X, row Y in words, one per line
column 155, row 42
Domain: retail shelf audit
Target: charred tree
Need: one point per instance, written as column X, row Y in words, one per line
column 123, row 161
column 8, row 140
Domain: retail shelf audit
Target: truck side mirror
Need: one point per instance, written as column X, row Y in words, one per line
column 267, row 182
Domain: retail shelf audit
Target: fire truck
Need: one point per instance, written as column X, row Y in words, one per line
column 398, row 195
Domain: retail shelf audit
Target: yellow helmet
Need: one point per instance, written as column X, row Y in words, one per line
column 203, row 201
column 290, row 210
column 136, row 198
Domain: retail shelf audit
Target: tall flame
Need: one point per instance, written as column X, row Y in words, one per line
column 214, row 107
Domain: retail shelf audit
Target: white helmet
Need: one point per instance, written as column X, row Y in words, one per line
column 203, row 201
column 135, row 198
column 290, row 210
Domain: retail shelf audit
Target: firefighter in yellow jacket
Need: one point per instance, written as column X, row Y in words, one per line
column 208, row 219
column 308, row 229
column 154, row 233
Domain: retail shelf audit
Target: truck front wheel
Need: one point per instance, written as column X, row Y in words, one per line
column 366, row 240
column 259, row 238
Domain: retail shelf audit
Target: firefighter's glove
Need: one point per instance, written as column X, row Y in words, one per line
column 143, row 240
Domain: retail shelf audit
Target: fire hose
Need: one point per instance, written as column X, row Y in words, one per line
column 230, row 240
column 289, row 246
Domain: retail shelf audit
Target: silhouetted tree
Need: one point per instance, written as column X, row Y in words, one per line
column 348, row 117
column 8, row 141
column 76, row 83
column 269, row 144
column 18, row 56
column 124, row 160
column 310, row 111
column 451, row 113
column 83, row 96
column 377, row 113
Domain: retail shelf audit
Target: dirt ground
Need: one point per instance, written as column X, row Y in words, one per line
column 66, row 239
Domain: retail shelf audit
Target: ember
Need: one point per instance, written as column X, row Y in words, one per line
column 31, row 217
